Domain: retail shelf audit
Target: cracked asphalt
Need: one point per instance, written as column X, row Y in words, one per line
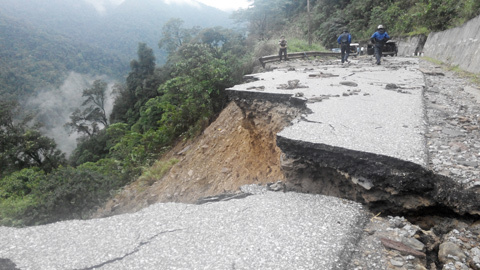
column 356, row 106
column 267, row 230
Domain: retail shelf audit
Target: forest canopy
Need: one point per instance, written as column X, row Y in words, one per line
column 32, row 59
column 328, row 18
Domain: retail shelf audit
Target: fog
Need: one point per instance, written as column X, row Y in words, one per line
column 53, row 107
column 226, row 5
column 102, row 5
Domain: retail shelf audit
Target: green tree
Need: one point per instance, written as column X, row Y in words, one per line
column 90, row 149
column 124, row 101
column 439, row 13
column 264, row 17
column 93, row 117
column 141, row 85
column 95, row 100
column 30, row 196
column 223, row 42
column 196, row 92
column 22, row 145
column 174, row 35
column 18, row 200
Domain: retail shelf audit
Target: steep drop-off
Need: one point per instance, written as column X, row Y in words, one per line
column 239, row 148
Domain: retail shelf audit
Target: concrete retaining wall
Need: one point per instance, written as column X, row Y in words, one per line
column 409, row 46
column 458, row 46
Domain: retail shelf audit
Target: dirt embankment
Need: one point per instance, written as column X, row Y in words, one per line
column 239, row 148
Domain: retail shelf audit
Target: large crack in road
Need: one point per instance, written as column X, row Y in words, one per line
column 403, row 179
column 430, row 193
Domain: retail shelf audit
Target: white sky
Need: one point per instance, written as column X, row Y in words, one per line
column 226, row 5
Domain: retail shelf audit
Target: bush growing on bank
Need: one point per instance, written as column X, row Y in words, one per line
column 31, row 197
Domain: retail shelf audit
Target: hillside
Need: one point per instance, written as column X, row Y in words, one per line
column 32, row 58
column 327, row 19
column 117, row 29
column 231, row 152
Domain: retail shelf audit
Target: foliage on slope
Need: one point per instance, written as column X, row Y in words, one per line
column 31, row 59
column 153, row 108
column 328, row 18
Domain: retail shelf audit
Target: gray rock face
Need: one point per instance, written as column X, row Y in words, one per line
column 450, row 252
column 411, row 46
column 414, row 243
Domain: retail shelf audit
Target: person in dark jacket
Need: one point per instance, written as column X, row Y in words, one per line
column 379, row 38
column 344, row 40
column 283, row 48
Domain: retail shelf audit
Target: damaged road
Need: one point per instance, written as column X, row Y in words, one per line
column 390, row 139
column 404, row 145
column 362, row 137
column 268, row 230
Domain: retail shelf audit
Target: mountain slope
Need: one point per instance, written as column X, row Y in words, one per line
column 32, row 58
column 119, row 28
column 141, row 21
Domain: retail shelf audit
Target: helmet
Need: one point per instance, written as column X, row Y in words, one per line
column 380, row 27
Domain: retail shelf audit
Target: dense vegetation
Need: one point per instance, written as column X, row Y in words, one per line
column 328, row 18
column 33, row 59
column 157, row 105
column 154, row 107
column 117, row 29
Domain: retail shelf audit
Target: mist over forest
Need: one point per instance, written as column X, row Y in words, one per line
column 113, row 28
column 53, row 107
column 54, row 49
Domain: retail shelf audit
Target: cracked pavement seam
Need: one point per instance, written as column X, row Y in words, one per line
column 137, row 249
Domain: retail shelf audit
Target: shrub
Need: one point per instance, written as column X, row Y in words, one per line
column 18, row 211
column 301, row 45
column 18, row 200
column 154, row 173
column 73, row 193
column 30, row 197
column 20, row 183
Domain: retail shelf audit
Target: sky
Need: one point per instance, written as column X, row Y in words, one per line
column 225, row 5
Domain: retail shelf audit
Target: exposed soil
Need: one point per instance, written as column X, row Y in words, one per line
column 239, row 148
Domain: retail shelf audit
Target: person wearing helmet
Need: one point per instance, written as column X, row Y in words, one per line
column 379, row 38
column 283, row 48
column 344, row 40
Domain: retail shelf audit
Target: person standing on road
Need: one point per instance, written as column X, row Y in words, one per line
column 379, row 38
column 344, row 40
column 283, row 48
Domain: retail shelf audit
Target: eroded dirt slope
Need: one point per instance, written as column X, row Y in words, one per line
column 239, row 148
